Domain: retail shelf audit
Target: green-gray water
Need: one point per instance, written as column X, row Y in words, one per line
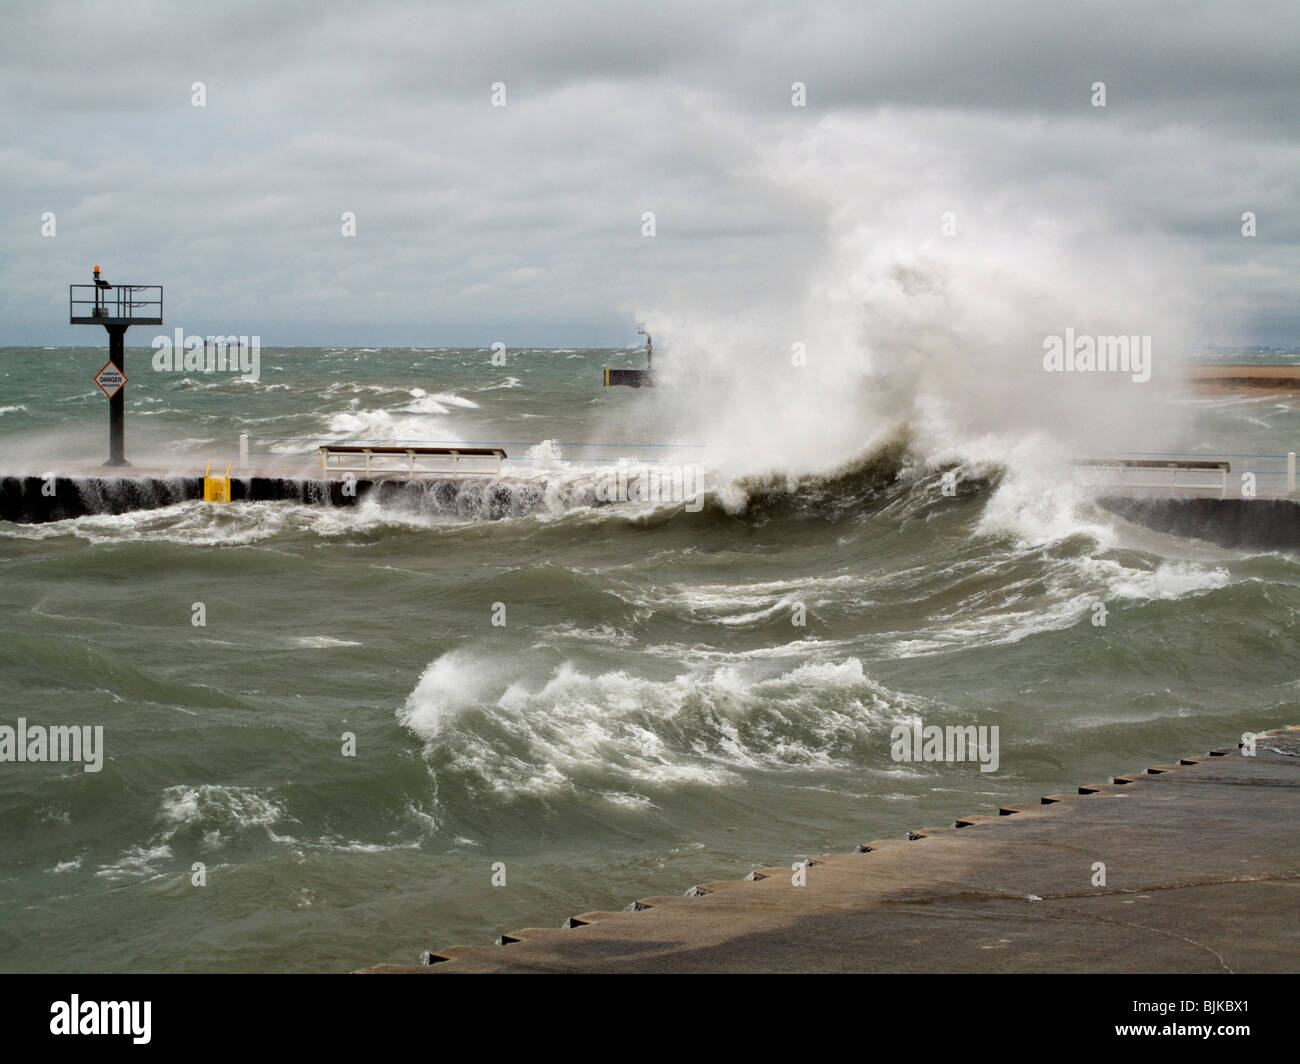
column 648, row 716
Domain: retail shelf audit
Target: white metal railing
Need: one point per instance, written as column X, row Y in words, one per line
column 1187, row 473
column 412, row 461
column 544, row 457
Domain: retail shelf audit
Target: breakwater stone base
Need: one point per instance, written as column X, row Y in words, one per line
column 30, row 499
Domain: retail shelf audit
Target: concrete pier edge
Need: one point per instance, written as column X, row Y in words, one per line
column 731, row 938
column 1262, row 523
column 31, row 499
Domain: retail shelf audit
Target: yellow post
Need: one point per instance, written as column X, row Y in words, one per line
column 216, row 489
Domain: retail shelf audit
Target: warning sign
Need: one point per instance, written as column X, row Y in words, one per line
column 110, row 380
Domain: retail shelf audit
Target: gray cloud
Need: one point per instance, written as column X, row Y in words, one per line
column 522, row 224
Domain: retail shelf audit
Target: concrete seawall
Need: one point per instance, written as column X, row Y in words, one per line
column 1261, row 523
column 1265, row 524
column 1202, row 875
column 30, row 499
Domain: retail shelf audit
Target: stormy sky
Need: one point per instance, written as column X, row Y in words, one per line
column 523, row 223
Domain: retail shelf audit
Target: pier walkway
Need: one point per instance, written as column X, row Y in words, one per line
column 1202, row 875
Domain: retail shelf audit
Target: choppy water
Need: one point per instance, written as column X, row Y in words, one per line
column 648, row 717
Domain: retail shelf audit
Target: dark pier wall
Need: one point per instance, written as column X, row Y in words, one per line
column 631, row 378
column 30, row 500
column 1268, row 524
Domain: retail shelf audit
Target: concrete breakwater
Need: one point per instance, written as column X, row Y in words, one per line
column 1192, row 866
column 1275, row 380
column 32, row 499
column 1261, row 523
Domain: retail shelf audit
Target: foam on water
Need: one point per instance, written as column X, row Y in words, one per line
column 650, row 697
column 489, row 721
column 220, row 812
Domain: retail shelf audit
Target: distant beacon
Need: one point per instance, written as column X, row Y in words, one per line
column 635, row 378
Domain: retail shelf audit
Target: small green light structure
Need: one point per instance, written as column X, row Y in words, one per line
column 116, row 308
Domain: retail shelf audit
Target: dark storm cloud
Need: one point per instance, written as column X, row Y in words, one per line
column 477, row 223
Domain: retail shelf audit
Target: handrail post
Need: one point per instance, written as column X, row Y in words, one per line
column 243, row 451
column 1290, row 472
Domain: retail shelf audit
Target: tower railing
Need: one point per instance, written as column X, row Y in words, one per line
column 120, row 304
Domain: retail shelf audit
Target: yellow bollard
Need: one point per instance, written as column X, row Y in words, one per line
column 216, row 489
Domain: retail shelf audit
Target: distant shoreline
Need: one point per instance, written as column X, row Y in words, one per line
column 1264, row 379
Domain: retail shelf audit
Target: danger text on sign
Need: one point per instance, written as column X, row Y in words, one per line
column 110, row 380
